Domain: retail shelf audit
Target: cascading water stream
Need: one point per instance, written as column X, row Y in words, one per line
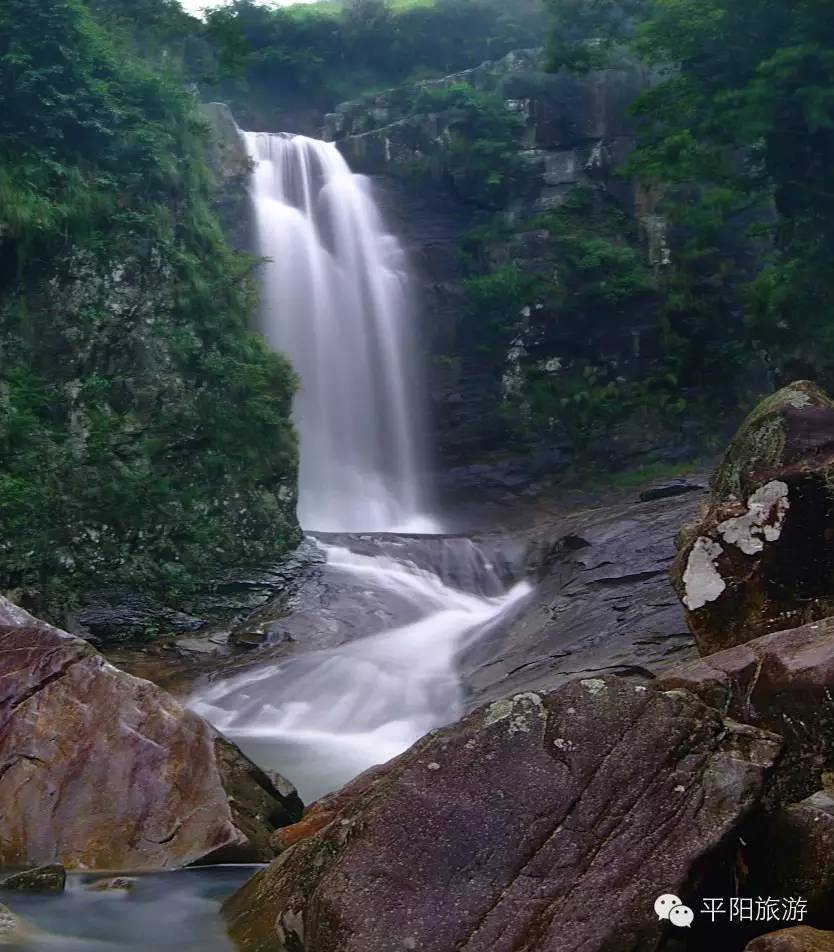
column 323, row 717
column 336, row 300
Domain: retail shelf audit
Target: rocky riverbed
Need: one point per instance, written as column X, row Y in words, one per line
column 607, row 752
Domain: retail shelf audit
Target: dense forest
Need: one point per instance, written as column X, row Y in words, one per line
column 112, row 251
column 742, row 117
column 417, row 475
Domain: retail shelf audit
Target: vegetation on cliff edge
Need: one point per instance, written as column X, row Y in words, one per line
column 145, row 435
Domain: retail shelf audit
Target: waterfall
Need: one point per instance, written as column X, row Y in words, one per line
column 322, row 717
column 336, row 301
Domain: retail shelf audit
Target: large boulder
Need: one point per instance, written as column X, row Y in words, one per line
column 782, row 683
column 547, row 822
column 759, row 557
column 99, row 769
column 796, row 857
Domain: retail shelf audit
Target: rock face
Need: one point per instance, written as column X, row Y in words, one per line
column 602, row 603
column 759, row 557
column 577, row 128
column 783, row 683
column 797, row 857
column 231, row 166
column 503, row 831
column 574, row 131
column 102, row 770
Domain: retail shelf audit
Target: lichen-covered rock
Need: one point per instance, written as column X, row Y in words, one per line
column 505, row 831
column 102, row 770
column 783, row 683
column 798, row 939
column 13, row 930
column 43, row 879
column 759, row 557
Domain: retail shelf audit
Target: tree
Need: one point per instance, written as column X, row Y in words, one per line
column 584, row 31
column 748, row 105
column 145, row 439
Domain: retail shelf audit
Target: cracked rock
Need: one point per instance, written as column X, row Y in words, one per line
column 783, row 683
column 610, row 792
column 101, row 770
column 758, row 558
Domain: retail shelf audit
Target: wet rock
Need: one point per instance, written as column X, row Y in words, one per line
column 103, row 770
column 43, row 879
column 669, row 490
column 116, row 884
column 13, row 930
column 781, row 682
column 796, row 857
column 798, row 939
column 324, row 811
column 227, row 153
column 504, row 830
column 306, row 828
column 287, row 790
column 602, row 603
column 759, row 557
column 248, row 638
column 119, row 618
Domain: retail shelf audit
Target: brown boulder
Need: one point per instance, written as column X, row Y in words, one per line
column 783, row 683
column 503, row 831
column 795, row 857
column 99, row 769
column 759, row 557
column 798, row 939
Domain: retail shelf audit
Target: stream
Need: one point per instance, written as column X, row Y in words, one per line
column 337, row 299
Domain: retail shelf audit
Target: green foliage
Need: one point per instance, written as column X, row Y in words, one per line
column 481, row 155
column 584, row 32
column 581, row 292
column 145, row 439
column 315, row 56
column 738, row 138
column 492, row 311
column 751, row 112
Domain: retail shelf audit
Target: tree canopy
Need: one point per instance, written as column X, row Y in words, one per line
column 744, row 111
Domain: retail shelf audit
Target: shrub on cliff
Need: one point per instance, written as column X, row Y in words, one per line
column 145, row 438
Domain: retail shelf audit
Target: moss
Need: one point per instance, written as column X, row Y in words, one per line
column 145, row 435
column 759, row 444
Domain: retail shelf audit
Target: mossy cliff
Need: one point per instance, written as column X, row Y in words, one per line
column 571, row 318
column 145, row 435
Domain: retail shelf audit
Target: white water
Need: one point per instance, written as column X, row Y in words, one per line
column 337, row 302
column 322, row 718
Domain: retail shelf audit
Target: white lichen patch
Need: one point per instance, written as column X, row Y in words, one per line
column 702, row 581
column 518, row 710
column 525, row 706
column 498, row 711
column 594, row 686
column 796, row 398
column 763, row 521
